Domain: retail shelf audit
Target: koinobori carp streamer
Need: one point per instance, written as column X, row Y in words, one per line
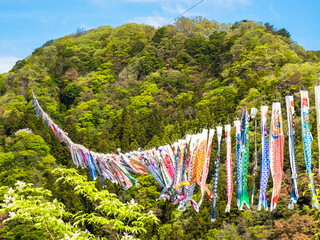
column 264, row 172
column 228, row 166
column 216, row 175
column 237, row 127
column 253, row 114
column 317, row 100
column 276, row 152
column 307, row 140
column 292, row 151
column 244, row 198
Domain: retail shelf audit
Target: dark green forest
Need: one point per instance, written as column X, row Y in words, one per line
column 140, row 86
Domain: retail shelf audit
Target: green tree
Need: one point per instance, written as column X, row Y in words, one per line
column 70, row 93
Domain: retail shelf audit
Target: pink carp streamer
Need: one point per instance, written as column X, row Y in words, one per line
column 228, row 166
column 237, row 128
column 317, row 95
column 276, row 152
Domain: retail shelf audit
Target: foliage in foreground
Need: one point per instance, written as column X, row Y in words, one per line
column 34, row 208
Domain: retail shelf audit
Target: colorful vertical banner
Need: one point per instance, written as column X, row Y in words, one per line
column 276, row 148
column 307, row 141
column 244, row 199
column 227, row 129
column 203, row 180
column 237, row 127
column 292, row 151
column 264, row 171
column 216, row 176
column 253, row 114
column 317, row 98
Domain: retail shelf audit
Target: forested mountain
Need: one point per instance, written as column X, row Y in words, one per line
column 139, row 86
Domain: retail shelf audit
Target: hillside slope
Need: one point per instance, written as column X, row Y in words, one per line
column 138, row 86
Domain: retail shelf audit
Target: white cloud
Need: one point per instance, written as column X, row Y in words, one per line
column 103, row 3
column 222, row 2
column 162, row 1
column 229, row 2
column 169, row 9
column 274, row 12
column 99, row 2
column 226, row 4
column 178, row 9
column 156, row 21
column 145, row 1
column 233, row 2
column 6, row 63
column 85, row 26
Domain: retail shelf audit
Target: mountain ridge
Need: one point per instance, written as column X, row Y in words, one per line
column 139, row 86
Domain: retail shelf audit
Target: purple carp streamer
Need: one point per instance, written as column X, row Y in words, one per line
column 292, row 151
column 307, row 140
column 264, row 172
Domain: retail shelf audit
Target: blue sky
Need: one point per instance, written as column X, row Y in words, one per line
column 27, row 24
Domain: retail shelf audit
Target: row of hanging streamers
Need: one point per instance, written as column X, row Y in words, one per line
column 177, row 168
column 180, row 167
column 191, row 165
column 108, row 166
column 273, row 154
